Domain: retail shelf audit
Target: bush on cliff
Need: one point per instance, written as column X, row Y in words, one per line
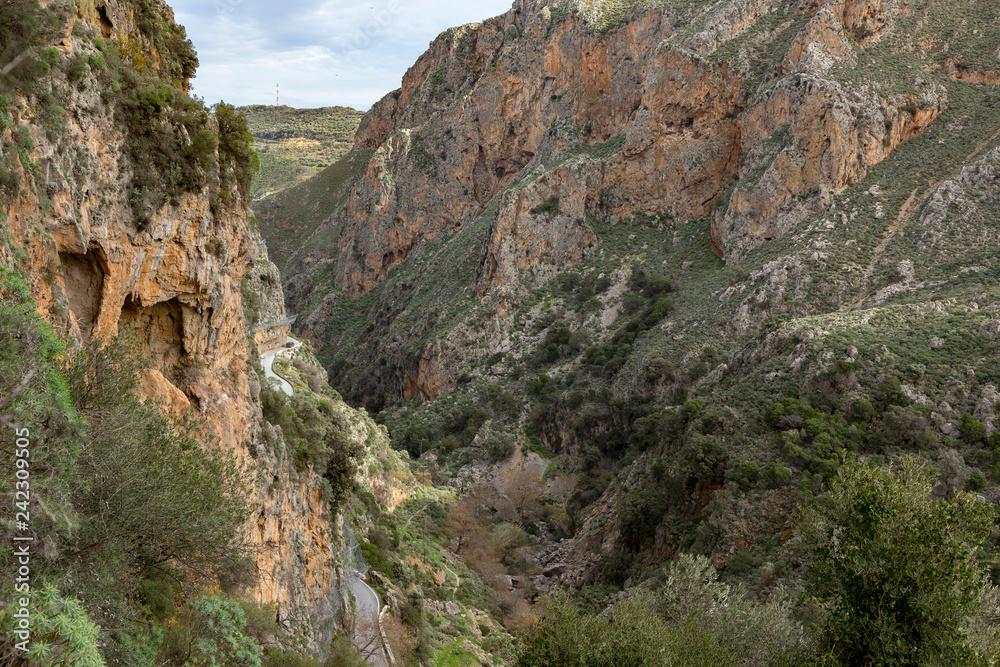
column 318, row 435
column 122, row 499
column 898, row 569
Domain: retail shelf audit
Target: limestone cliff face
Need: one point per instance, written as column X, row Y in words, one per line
column 671, row 112
column 177, row 280
column 558, row 118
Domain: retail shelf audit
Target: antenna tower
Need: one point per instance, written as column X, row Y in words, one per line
column 277, row 97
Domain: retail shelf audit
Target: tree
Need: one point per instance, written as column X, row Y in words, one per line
column 896, row 568
column 640, row 514
column 462, row 525
column 210, row 632
column 150, row 496
column 235, row 152
column 521, row 486
column 499, row 444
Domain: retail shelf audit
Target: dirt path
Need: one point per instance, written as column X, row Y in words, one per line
column 911, row 206
column 458, row 582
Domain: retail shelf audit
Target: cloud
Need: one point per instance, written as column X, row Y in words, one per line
column 322, row 52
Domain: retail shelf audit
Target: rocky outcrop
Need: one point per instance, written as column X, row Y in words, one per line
column 175, row 279
column 541, row 128
column 811, row 134
column 474, row 112
column 612, row 116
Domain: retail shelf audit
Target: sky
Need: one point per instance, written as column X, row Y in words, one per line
column 322, row 52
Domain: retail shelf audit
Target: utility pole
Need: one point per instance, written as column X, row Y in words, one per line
column 277, row 97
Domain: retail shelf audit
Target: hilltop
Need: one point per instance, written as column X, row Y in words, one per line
column 293, row 144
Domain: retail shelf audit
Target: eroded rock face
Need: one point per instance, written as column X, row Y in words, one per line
column 486, row 101
column 542, row 125
column 176, row 280
column 811, row 135
column 503, row 106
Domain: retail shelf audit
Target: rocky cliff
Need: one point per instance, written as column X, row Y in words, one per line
column 659, row 243
column 107, row 248
column 690, row 101
column 556, row 116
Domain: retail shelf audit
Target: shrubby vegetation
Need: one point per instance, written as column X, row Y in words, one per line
column 318, row 435
column 164, row 168
column 897, row 576
column 235, row 152
column 171, row 142
column 900, row 572
column 139, row 555
column 690, row 619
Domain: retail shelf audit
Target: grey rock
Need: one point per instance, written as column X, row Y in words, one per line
column 991, row 329
column 555, row 570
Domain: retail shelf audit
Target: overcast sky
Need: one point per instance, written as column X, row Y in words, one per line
column 322, row 52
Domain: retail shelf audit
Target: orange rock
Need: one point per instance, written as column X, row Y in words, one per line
column 171, row 400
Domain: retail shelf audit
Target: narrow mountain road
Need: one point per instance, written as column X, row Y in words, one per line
column 267, row 361
column 367, row 636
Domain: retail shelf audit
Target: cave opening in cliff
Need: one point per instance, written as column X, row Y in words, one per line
column 161, row 332
column 107, row 27
column 83, row 284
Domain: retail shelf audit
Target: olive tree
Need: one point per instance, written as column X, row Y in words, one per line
column 897, row 569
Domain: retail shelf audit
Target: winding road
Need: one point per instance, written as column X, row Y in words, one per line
column 367, row 632
column 267, row 361
column 366, row 624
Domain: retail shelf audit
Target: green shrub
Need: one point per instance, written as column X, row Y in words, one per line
column 973, row 430
column 61, row 632
column 411, row 610
column 904, row 427
column 210, row 633
column 238, row 160
column 745, row 474
column 26, row 24
column 77, row 67
column 861, row 410
column 499, row 445
column 275, row 656
column 343, row 654
column 640, row 513
column 417, row 439
column 703, row 458
column 897, row 568
column 617, row 567
column 549, row 207
column 774, row 475
column 976, row 481
column 559, row 342
column 164, row 165
column 890, row 392
column 151, row 497
column 693, row 619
